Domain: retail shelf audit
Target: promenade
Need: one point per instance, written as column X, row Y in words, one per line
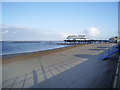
column 78, row 67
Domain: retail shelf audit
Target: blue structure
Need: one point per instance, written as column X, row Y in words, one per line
column 109, row 52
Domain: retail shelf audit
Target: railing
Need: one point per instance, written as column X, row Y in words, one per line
column 109, row 52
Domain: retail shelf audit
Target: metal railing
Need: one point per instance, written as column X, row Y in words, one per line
column 109, row 52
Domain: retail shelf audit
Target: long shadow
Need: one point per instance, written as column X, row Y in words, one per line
column 83, row 55
column 103, row 47
column 100, row 48
column 35, row 77
column 97, row 49
column 90, row 74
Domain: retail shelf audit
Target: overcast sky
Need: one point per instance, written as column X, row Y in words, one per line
column 55, row 21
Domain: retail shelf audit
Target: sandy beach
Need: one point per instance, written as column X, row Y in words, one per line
column 39, row 69
column 19, row 57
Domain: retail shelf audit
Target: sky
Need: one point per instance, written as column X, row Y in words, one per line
column 23, row 21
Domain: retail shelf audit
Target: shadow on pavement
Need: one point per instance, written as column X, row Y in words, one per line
column 97, row 49
column 35, row 77
column 83, row 55
column 92, row 73
column 103, row 47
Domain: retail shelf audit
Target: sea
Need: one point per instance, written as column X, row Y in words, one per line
column 8, row 48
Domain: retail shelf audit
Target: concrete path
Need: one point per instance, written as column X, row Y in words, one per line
column 79, row 67
column 117, row 75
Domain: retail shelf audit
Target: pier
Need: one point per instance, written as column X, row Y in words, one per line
column 82, row 39
column 86, row 41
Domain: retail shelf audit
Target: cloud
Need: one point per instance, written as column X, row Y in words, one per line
column 65, row 35
column 15, row 32
column 92, row 32
column 5, row 32
column 28, row 33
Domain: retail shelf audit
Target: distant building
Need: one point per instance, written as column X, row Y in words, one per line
column 118, row 39
column 114, row 39
column 76, row 37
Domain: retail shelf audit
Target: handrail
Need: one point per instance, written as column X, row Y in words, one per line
column 109, row 52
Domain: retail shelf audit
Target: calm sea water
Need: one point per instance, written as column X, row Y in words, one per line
column 25, row 47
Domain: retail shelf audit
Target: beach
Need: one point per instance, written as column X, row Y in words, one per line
column 45, row 68
column 23, row 56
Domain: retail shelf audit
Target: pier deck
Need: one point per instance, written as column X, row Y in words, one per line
column 86, row 41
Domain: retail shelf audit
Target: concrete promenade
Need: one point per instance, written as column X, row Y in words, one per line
column 117, row 76
column 78, row 67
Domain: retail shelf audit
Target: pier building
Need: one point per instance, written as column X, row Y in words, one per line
column 82, row 39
